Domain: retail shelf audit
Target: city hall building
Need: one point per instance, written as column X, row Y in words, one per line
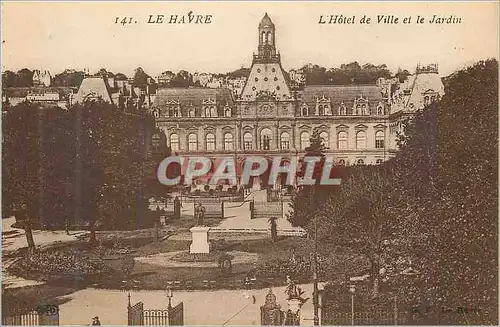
column 358, row 123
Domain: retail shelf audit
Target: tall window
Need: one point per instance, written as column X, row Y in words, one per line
column 207, row 111
column 380, row 110
column 213, row 111
column 305, row 140
column 248, row 141
column 227, row 112
column 361, row 140
column 210, row 140
column 192, row 112
column 305, row 111
column 174, row 142
column 342, row 110
column 321, row 110
column 285, row 141
column 342, row 140
column 192, row 142
column 265, row 139
column 228, row 141
column 324, row 138
column 379, row 140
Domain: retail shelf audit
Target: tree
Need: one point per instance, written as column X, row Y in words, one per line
column 24, row 78
column 8, row 79
column 306, row 198
column 140, row 77
column 69, row 78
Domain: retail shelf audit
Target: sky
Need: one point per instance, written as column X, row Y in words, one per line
column 62, row 35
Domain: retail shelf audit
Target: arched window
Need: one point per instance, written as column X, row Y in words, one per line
column 228, row 141
column 210, row 142
column 305, row 140
column 192, row 142
column 426, row 100
column 342, row 140
column 360, row 162
column 171, row 112
column 192, row 112
column 248, row 141
column 213, row 111
column 174, row 142
column 324, row 138
column 305, row 111
column 227, row 112
column 285, row 141
column 265, row 139
column 379, row 161
column 380, row 110
column 342, row 110
column 358, row 110
column 379, row 140
column 360, row 140
column 341, row 162
column 263, row 37
column 365, row 110
column 321, row 110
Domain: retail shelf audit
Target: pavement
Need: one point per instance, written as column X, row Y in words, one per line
column 200, row 307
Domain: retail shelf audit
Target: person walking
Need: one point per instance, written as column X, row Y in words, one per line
column 96, row 321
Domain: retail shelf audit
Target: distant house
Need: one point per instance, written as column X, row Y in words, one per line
column 117, row 90
column 56, row 96
column 42, row 78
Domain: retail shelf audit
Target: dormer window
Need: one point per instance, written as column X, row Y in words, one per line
column 342, row 110
column 305, row 111
column 380, row 110
column 192, row 112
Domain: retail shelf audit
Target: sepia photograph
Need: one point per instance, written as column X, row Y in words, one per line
column 249, row 163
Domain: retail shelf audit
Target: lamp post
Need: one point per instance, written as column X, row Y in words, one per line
column 352, row 289
column 170, row 295
column 315, row 274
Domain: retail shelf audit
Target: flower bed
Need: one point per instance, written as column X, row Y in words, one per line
column 61, row 264
column 197, row 257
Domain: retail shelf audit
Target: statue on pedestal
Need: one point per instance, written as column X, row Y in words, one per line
column 294, row 292
column 199, row 214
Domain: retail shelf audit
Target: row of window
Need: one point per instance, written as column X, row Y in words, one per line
column 341, row 162
column 266, row 140
column 324, row 110
column 209, row 111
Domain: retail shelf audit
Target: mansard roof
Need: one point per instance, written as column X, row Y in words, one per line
column 193, row 96
column 339, row 94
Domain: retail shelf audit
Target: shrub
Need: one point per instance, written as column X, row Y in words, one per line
column 63, row 263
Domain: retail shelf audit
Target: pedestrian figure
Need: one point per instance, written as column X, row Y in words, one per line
column 177, row 207
column 96, row 321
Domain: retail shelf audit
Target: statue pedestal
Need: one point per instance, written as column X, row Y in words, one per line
column 294, row 304
column 199, row 240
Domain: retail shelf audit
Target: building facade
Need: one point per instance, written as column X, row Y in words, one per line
column 358, row 123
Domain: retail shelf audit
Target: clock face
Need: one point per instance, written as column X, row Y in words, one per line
column 266, row 110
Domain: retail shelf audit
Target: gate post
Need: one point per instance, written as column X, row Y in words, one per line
column 270, row 312
column 252, row 209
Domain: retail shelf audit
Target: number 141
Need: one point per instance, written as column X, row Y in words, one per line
column 124, row 20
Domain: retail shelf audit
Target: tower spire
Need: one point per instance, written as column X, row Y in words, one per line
column 267, row 41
